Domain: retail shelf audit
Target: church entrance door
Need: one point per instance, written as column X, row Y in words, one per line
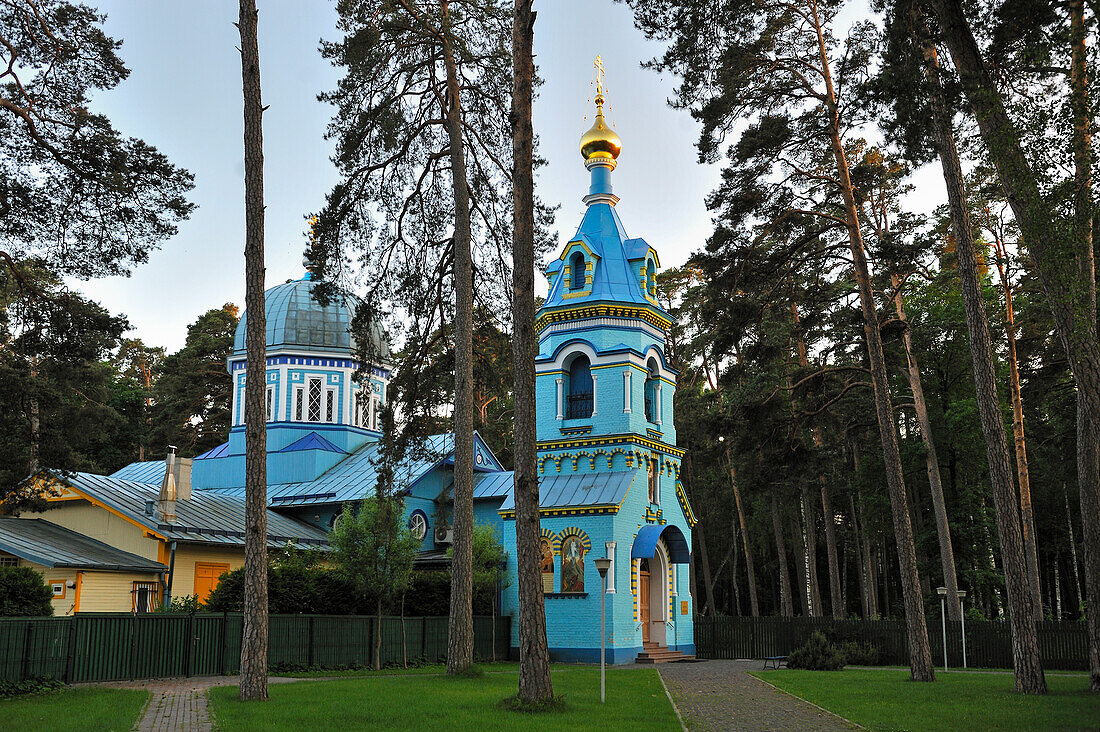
column 643, row 598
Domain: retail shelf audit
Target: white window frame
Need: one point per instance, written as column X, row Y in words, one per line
column 299, row 405
column 319, row 381
column 269, row 403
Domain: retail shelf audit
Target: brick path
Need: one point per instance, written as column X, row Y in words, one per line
column 180, row 703
column 721, row 695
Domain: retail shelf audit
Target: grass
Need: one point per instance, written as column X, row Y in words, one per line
column 85, row 708
column 887, row 700
column 635, row 699
column 430, row 668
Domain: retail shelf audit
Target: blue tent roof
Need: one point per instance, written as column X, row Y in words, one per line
column 613, row 276
column 312, row 441
column 645, row 543
column 584, row 489
column 220, row 451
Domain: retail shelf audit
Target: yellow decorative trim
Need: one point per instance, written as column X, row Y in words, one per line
column 569, row 245
column 100, row 504
column 578, row 293
column 566, row 511
column 642, row 442
column 603, row 311
column 681, row 496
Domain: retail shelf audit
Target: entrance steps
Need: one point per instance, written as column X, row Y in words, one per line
column 654, row 653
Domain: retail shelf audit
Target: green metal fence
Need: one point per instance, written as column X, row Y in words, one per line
column 121, row 646
column 1062, row 645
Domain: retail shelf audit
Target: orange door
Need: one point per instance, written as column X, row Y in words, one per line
column 643, row 599
column 206, row 578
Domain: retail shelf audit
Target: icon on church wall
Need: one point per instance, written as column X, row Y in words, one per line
column 547, row 552
column 572, row 565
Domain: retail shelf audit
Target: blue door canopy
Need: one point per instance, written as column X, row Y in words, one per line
column 645, row 543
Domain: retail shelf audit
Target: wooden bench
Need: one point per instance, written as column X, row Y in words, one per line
column 775, row 661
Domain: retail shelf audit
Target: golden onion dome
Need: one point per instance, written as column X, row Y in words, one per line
column 600, row 141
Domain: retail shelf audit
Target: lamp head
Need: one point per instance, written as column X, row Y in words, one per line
column 961, row 594
column 941, row 591
column 602, row 565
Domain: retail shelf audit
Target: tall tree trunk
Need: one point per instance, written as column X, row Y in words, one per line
column 1078, row 592
column 34, row 422
column 254, row 636
column 750, row 569
column 460, row 628
column 811, row 549
column 785, row 603
column 864, row 599
column 378, row 636
column 1019, row 443
column 920, row 654
column 826, row 507
column 704, row 560
column 1088, row 422
column 931, row 462
column 1022, row 609
column 534, row 655
column 804, row 593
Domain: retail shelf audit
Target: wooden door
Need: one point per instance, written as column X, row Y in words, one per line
column 207, row 577
column 643, row 599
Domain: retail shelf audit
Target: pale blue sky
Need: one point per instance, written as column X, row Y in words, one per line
column 184, row 96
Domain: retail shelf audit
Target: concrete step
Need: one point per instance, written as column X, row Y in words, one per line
column 654, row 653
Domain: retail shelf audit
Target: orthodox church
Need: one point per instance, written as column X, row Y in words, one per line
column 607, row 457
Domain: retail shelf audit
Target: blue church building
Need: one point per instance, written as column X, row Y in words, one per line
column 608, row 462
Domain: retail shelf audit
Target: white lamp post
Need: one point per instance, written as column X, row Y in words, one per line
column 942, row 592
column 962, row 609
column 602, row 565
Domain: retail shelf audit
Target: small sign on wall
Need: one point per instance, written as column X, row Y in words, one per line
column 683, row 607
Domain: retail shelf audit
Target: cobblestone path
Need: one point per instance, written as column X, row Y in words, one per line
column 721, row 695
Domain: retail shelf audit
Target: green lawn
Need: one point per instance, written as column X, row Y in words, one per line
column 635, row 699
column 83, row 708
column 888, row 700
column 431, row 668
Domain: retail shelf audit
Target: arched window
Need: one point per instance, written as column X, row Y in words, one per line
column 652, row 393
column 576, row 269
column 653, row 470
column 572, row 564
column 578, row 395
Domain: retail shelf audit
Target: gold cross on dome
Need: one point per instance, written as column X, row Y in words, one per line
column 599, row 74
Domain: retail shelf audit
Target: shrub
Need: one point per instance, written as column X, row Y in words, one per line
column 817, row 655
column 183, row 605
column 32, row 685
column 23, row 593
column 856, row 653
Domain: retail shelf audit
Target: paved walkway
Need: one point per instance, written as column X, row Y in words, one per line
column 721, row 695
column 180, row 703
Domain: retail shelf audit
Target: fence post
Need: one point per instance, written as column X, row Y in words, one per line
column 70, row 661
column 311, row 619
column 28, row 637
column 221, row 644
column 189, row 641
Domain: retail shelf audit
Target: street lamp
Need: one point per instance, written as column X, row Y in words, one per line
column 942, row 591
column 962, row 609
column 602, row 565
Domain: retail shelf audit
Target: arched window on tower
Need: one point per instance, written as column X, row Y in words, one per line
column 578, row 394
column 652, row 392
column 576, row 271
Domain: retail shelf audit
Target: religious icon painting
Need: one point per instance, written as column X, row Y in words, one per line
column 572, row 565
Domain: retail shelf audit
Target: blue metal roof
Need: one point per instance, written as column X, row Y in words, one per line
column 150, row 471
column 220, row 451
column 353, row 478
column 493, row 485
column 312, row 441
column 296, row 321
column 583, row 489
column 207, row 517
column 46, row 543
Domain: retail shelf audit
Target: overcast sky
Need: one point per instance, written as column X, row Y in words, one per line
column 184, row 97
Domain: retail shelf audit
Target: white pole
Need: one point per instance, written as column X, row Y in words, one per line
column 943, row 620
column 962, row 606
column 603, row 633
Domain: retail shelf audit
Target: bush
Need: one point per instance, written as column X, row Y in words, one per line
column 817, row 655
column 23, row 593
column 183, row 605
column 32, row 685
column 291, row 589
column 856, row 653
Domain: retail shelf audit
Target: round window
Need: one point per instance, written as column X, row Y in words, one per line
column 418, row 524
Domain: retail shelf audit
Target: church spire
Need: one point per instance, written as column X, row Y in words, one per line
column 600, row 147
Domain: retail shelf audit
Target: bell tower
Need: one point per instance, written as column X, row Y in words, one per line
column 605, row 389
